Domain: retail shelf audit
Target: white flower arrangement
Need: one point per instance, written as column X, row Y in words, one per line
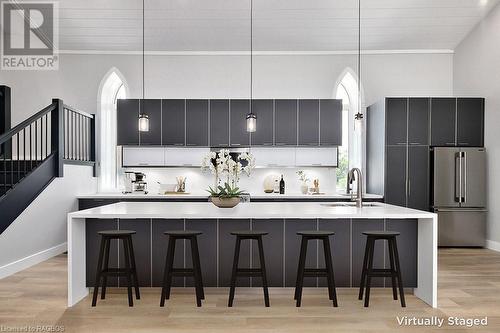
column 224, row 167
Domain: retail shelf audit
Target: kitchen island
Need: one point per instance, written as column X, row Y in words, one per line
column 417, row 243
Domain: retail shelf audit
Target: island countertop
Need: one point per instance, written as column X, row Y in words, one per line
column 282, row 220
column 256, row 210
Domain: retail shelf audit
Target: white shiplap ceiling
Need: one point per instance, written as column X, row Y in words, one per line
column 279, row 25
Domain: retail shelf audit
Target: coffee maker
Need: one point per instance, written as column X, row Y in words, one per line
column 134, row 182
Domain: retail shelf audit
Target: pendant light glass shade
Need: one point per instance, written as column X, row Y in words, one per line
column 251, row 122
column 143, row 123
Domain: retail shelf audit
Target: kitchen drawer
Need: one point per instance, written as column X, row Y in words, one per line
column 143, row 156
column 185, row 156
column 308, row 157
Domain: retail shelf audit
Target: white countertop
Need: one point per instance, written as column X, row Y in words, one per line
column 256, row 210
column 204, row 195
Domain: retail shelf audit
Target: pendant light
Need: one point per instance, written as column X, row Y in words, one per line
column 143, row 117
column 358, row 117
column 251, row 117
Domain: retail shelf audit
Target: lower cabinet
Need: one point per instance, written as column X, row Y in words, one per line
column 281, row 250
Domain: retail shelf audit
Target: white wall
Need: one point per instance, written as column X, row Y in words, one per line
column 476, row 73
column 227, row 76
column 40, row 231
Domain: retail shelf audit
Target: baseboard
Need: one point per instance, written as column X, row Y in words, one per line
column 31, row 260
column 492, row 245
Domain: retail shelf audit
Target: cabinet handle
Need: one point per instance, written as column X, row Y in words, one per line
column 401, row 143
column 191, row 144
column 415, row 143
column 267, row 144
column 178, row 144
column 187, row 164
column 235, row 144
column 280, row 144
column 317, row 164
column 464, row 143
column 222, row 144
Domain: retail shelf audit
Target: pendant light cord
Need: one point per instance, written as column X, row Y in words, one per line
column 143, row 50
column 251, row 53
column 359, row 59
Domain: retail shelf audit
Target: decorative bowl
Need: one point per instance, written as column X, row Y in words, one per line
column 225, row 202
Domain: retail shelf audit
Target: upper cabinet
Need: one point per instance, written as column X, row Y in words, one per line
column 457, row 122
column 127, row 122
column 239, row 137
column 197, row 122
column 308, row 122
column 443, row 121
column 470, row 122
column 222, row 122
column 396, row 119
column 418, row 121
column 330, row 121
column 219, row 123
column 285, row 117
column 264, row 110
column 151, row 107
column 173, row 122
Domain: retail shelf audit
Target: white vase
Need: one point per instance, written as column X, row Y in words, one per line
column 304, row 188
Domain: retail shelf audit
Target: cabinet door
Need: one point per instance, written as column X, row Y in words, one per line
column 396, row 121
column 127, row 111
column 330, row 117
column 197, row 122
column 207, row 247
column 143, row 156
column 395, row 175
column 358, row 250
column 264, row 110
column 239, row 108
column 418, row 177
column 152, row 108
column 285, row 122
column 470, row 122
column 308, row 122
column 418, row 121
column 219, row 123
column 443, row 118
column 173, row 122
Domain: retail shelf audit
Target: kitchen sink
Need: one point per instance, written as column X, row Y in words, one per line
column 349, row 204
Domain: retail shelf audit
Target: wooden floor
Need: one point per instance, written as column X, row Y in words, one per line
column 469, row 286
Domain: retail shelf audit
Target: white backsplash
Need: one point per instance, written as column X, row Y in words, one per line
column 198, row 181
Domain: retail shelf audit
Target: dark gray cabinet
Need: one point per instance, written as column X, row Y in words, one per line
column 273, row 241
column 222, row 123
column 418, row 121
column 395, row 175
column 330, row 122
column 142, row 249
column 159, row 251
column 292, row 250
column 219, row 123
column 418, row 177
column 173, row 122
column 127, row 122
column 407, row 250
column 226, row 251
column 285, row 116
column 197, row 122
column 208, row 251
column 152, row 108
column 264, row 110
column 396, row 121
column 341, row 252
column 443, row 121
column 239, row 108
column 308, row 122
column 470, row 122
column 92, row 247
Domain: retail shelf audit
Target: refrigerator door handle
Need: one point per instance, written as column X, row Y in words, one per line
column 458, row 177
column 464, row 160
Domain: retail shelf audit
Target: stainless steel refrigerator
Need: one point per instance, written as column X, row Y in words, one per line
column 459, row 195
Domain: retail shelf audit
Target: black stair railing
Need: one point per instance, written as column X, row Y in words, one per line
column 59, row 132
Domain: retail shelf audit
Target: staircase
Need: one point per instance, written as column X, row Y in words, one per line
column 33, row 153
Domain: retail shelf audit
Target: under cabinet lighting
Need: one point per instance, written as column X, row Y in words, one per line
column 143, row 122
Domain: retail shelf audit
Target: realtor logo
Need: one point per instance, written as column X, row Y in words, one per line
column 29, row 35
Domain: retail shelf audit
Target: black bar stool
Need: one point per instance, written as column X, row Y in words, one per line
column 129, row 271
column 315, row 272
column 368, row 271
column 171, row 271
column 250, row 272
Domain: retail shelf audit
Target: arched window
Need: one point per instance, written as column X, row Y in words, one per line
column 113, row 87
column 351, row 150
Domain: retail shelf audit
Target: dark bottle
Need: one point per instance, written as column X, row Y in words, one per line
column 282, row 185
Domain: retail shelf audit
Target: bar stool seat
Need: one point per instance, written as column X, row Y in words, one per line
column 248, row 272
column 170, row 270
column 302, row 271
column 103, row 270
column 394, row 272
